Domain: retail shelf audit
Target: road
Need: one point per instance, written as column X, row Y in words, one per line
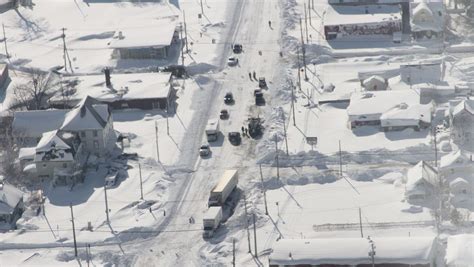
column 181, row 244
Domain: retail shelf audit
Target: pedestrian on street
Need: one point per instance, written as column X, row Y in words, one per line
column 246, row 131
column 254, row 75
column 243, row 130
column 250, row 75
column 270, row 23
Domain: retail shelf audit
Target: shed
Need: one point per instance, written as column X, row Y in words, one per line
column 375, row 83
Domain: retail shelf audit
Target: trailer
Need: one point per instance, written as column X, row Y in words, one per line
column 211, row 221
column 212, row 130
column 227, row 183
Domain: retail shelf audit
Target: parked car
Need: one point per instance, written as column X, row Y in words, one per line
column 262, row 83
column 111, row 178
column 229, row 98
column 204, row 150
column 234, row 138
column 224, row 115
column 237, row 48
column 259, row 100
column 232, row 61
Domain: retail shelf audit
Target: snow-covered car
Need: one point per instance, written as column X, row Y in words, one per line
column 234, row 138
column 237, row 48
column 232, row 61
column 229, row 98
column 262, row 83
column 224, row 115
column 205, row 150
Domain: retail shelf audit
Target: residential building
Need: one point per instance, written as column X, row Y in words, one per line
column 461, row 120
column 322, row 252
column 11, row 205
column 427, row 19
column 29, row 126
column 422, row 72
column 375, row 83
column 457, row 164
column 421, row 182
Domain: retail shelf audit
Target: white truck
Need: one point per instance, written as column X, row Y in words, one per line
column 211, row 221
column 227, row 183
column 212, row 130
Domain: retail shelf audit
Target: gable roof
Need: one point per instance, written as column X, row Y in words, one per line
column 421, row 171
column 465, row 105
column 9, row 198
column 35, row 123
column 456, row 158
column 51, row 140
column 89, row 114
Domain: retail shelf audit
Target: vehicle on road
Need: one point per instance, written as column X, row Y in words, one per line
column 259, row 100
column 211, row 221
column 176, row 70
column 237, row 48
column 212, row 130
column 234, row 138
column 232, row 61
column 262, row 83
column 255, row 127
column 111, row 178
column 229, row 98
column 227, row 183
column 204, row 150
column 224, row 115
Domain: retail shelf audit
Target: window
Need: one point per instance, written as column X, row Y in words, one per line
column 94, row 133
column 83, row 134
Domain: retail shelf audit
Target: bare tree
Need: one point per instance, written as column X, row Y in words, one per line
column 33, row 94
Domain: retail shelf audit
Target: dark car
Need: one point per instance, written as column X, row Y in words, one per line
column 229, row 98
column 224, row 115
column 262, row 83
column 234, row 138
column 176, row 70
column 237, row 48
column 259, row 100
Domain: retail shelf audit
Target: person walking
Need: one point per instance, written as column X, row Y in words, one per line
column 254, row 75
column 270, row 23
column 250, row 76
column 246, row 131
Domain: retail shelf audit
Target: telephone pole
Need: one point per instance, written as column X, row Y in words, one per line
column 303, row 50
column 255, row 235
column 277, row 159
column 141, row 182
column 202, row 9
column 340, row 159
column 293, row 100
column 360, row 223
column 182, row 48
column 185, row 31
column 309, row 12
column 65, row 52
column 306, row 22
column 233, row 252
column 106, row 205
column 299, row 67
column 156, row 141
column 73, row 230
column 435, row 147
column 5, row 41
column 286, row 137
column 263, row 190
column 247, row 222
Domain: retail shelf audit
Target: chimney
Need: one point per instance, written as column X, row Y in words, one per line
column 107, row 77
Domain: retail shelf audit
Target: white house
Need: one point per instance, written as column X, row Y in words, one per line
column 460, row 191
column 11, row 205
column 404, row 116
column 390, row 251
column 427, row 18
column 461, row 119
column 375, row 83
column 422, row 72
column 93, row 122
column 457, row 164
column 421, row 181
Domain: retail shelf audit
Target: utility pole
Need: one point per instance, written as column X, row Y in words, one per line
column 106, row 204
column 233, row 252
column 247, row 222
column 263, row 190
column 306, row 22
column 340, row 160
column 276, row 157
column 372, row 251
column 309, row 12
column 360, row 223
column 5, row 41
column 304, row 50
column 65, row 52
column 293, row 100
column 87, row 256
column 141, row 182
column 286, row 138
column 299, row 67
column 435, row 147
column 156, row 141
column 202, row 9
column 255, row 235
column 182, row 48
column 185, row 31
column 167, row 124
column 73, row 230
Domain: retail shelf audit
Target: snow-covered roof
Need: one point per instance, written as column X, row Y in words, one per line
column 51, row 140
column 427, row 15
column 9, row 198
column 356, row 15
column 406, row 115
column 35, row 123
column 30, row 168
column 212, row 212
column 87, row 115
column 158, row 34
column 419, row 172
column 460, row 250
column 124, row 86
column 353, row 251
column 378, row 102
column 459, row 158
column 458, row 182
column 26, row 153
column 465, row 105
column 374, row 80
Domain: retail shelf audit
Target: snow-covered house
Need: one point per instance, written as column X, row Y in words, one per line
column 459, row 250
column 93, row 122
column 461, row 119
column 427, row 18
column 422, row 72
column 29, row 126
column 59, row 156
column 397, row 109
column 390, row 251
column 457, row 164
column 375, row 83
column 421, row 181
column 460, row 190
column 11, row 205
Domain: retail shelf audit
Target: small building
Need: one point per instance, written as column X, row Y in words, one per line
column 134, row 90
column 362, row 21
column 4, row 76
column 322, row 252
column 421, row 181
column 457, row 164
column 93, row 122
column 460, row 191
column 427, row 19
column 461, row 120
column 11, row 205
column 375, row 83
column 459, row 250
column 147, row 42
column 403, row 116
column 29, row 126
column 422, row 72
column 367, row 108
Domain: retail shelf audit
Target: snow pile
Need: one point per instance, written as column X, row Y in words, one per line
column 460, row 250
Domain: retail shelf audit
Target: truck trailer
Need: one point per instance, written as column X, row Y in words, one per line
column 212, row 130
column 227, row 183
column 211, row 221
